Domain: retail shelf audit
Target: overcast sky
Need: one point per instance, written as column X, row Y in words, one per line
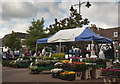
column 17, row 14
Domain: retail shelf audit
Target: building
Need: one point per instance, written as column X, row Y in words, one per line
column 20, row 35
column 111, row 33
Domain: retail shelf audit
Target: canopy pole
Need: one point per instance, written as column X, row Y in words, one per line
column 92, row 44
column 60, row 47
column 36, row 48
column 68, row 50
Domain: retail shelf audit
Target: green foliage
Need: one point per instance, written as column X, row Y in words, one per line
column 48, row 58
column 88, row 60
column 59, row 55
column 6, row 62
column 75, row 20
column 34, row 69
column 13, row 41
column 79, row 67
column 35, row 31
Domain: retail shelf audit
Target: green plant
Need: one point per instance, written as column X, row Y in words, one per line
column 42, row 64
column 34, row 69
column 59, row 55
column 49, row 58
column 6, row 62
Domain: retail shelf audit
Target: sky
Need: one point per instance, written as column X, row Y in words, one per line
column 17, row 15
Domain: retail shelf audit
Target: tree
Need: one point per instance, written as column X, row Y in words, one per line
column 75, row 20
column 35, row 31
column 13, row 41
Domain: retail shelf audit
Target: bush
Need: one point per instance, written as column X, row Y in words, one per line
column 34, row 69
column 49, row 58
column 59, row 55
column 6, row 62
column 42, row 64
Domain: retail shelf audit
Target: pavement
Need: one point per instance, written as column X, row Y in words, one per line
column 21, row 75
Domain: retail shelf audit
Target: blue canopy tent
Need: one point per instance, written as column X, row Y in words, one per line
column 71, row 35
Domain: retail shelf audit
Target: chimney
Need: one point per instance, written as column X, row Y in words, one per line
column 93, row 27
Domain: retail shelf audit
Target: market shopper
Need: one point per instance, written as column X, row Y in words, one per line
column 84, row 51
column 50, row 54
column 38, row 54
column 101, row 53
column 43, row 52
column 108, row 51
column 27, row 52
column 8, row 54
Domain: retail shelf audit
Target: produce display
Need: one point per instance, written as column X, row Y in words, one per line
column 114, row 73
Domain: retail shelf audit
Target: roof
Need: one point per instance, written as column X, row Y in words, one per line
column 20, row 35
column 109, row 33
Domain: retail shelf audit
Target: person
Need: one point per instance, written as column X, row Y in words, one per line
column 8, row 54
column 38, row 53
column 84, row 51
column 43, row 52
column 101, row 53
column 50, row 54
column 11, row 52
column 76, row 53
column 16, row 53
column 27, row 52
column 32, row 52
column 106, row 51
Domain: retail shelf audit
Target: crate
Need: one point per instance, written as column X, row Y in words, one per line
column 78, row 75
column 87, row 74
column 96, row 73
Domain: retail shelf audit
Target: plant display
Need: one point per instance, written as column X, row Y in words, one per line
column 34, row 69
column 75, row 66
column 88, row 60
column 99, row 61
column 79, row 67
column 67, row 75
column 114, row 73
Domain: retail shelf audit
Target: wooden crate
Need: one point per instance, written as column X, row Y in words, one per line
column 78, row 75
column 109, row 80
column 96, row 73
column 87, row 74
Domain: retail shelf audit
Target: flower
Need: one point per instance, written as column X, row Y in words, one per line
column 75, row 57
column 72, row 72
column 78, row 63
column 56, row 70
column 58, row 63
column 66, row 73
column 65, row 61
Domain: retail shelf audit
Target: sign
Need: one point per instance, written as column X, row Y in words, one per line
column 115, row 34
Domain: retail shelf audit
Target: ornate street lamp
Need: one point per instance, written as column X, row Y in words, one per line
column 80, row 3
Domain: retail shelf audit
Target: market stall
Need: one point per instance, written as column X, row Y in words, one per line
column 72, row 35
column 112, row 74
column 76, row 70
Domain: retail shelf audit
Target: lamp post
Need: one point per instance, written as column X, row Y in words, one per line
column 80, row 3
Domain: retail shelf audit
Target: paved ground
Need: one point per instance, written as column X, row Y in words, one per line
column 22, row 75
